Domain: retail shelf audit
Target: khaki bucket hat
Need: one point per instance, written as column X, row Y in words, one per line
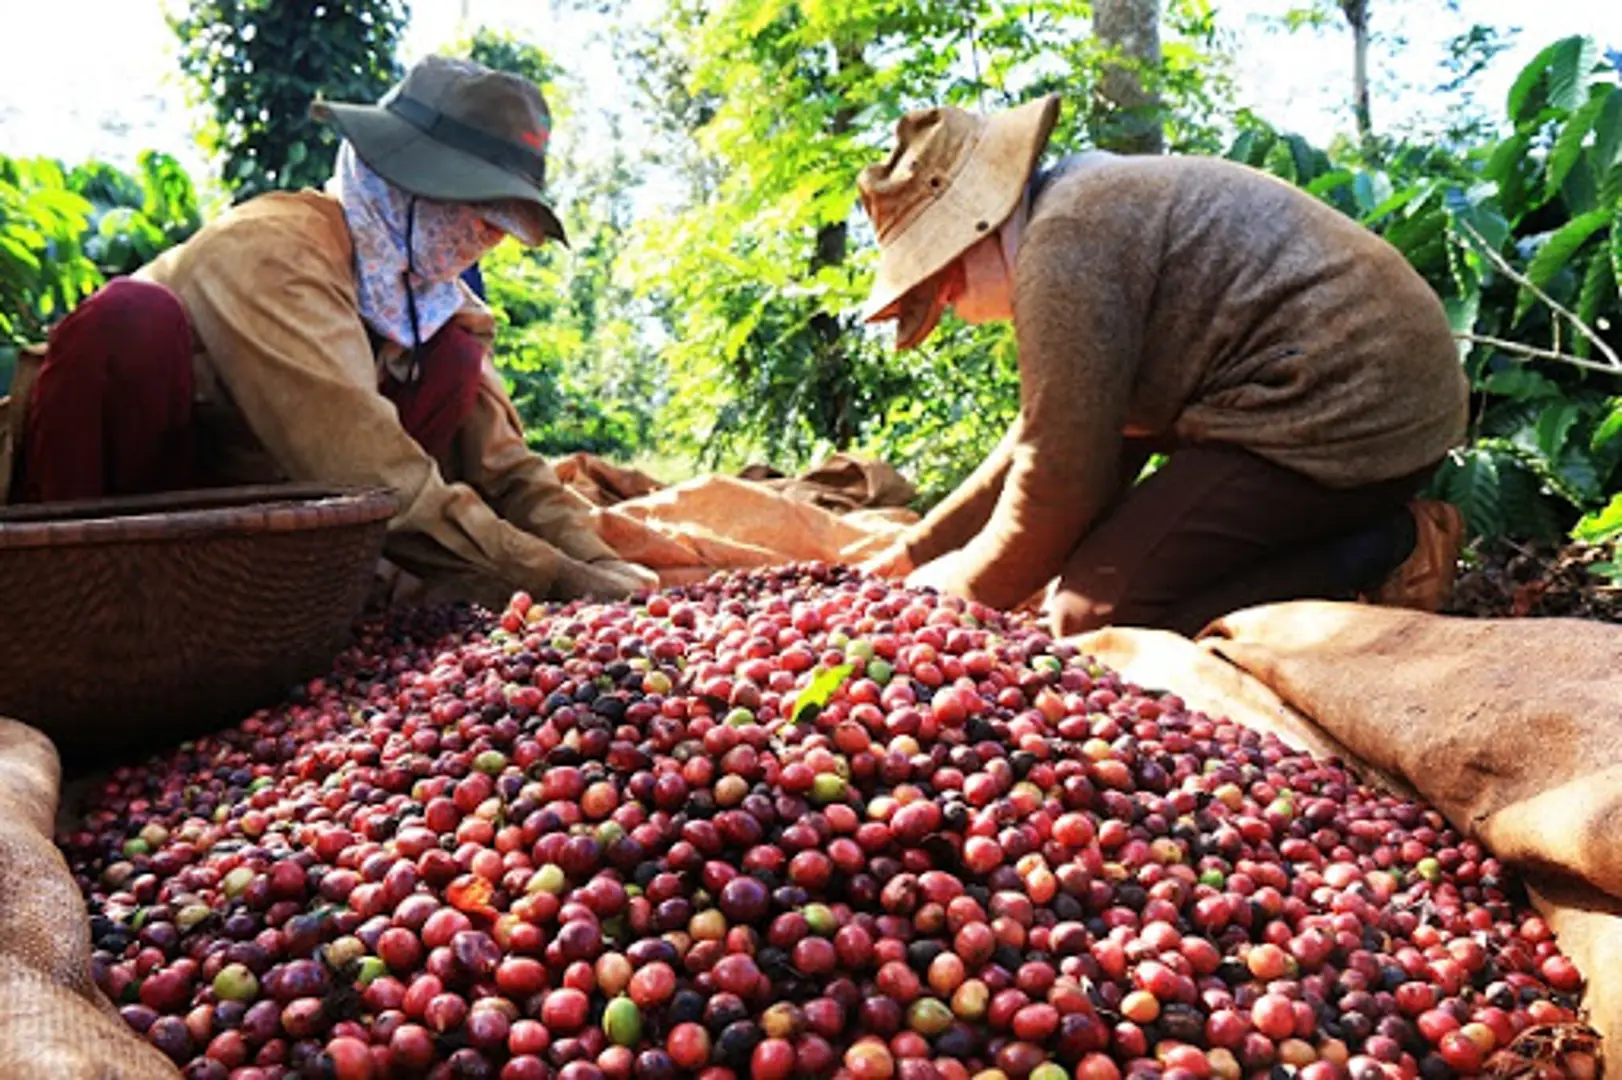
column 456, row 131
column 953, row 178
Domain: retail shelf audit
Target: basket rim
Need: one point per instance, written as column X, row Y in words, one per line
column 197, row 514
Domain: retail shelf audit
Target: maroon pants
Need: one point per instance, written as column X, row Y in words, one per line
column 111, row 409
column 432, row 408
column 110, row 412
column 1217, row 529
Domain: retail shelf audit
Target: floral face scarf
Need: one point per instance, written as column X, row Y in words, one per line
column 409, row 251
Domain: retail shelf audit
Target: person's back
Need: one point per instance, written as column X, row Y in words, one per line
column 1273, row 321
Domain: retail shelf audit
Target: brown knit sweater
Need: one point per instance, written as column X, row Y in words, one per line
column 1195, row 300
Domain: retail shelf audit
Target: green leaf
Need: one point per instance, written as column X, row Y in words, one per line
column 1580, row 193
column 1397, row 201
column 1557, row 250
column 19, row 254
column 1598, row 288
column 1246, row 148
column 1474, row 209
column 1608, row 137
column 1469, row 480
column 1523, row 102
column 1554, row 427
column 1616, row 245
column 1307, row 161
column 1506, row 157
column 1576, row 476
column 1568, row 145
column 1572, row 72
column 821, row 689
column 1330, row 181
column 1462, row 312
column 1609, row 428
column 1608, row 572
column 1600, row 525
column 1521, row 383
column 1372, row 192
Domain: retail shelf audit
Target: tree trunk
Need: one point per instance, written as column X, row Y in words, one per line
column 1126, row 112
column 1357, row 17
column 832, row 246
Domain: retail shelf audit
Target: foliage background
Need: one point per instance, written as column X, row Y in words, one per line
column 713, row 326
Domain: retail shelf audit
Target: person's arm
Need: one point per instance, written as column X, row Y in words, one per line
column 957, row 518
column 1080, row 307
column 287, row 340
column 522, row 487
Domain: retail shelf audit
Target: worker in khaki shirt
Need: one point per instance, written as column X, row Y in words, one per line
column 325, row 337
column 1301, row 376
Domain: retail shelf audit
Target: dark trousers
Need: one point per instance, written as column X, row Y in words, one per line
column 111, row 409
column 1217, row 529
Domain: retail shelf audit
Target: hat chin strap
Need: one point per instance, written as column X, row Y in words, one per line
column 411, row 296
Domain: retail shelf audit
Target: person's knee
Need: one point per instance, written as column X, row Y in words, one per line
column 1076, row 611
column 133, row 307
column 137, row 331
column 135, row 300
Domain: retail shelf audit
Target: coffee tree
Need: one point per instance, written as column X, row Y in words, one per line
column 259, row 64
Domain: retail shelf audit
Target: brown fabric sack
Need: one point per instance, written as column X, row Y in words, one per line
column 603, row 483
column 1167, row 662
column 1512, row 728
column 53, row 1021
column 843, row 483
column 687, row 532
column 846, row 482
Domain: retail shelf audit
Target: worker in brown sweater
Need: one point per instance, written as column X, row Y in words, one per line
column 1300, row 375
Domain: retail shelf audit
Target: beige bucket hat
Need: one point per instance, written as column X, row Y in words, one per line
column 456, row 131
column 953, row 178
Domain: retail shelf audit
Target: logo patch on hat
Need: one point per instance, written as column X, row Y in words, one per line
column 535, row 140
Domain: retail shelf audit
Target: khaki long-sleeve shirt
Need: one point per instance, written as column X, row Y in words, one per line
column 288, row 389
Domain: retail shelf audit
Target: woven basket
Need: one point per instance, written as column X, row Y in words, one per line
column 129, row 623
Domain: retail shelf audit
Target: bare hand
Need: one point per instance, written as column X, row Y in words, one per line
column 944, row 575
column 893, row 562
column 603, row 579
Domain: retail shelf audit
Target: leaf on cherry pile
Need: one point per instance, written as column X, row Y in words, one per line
column 822, row 689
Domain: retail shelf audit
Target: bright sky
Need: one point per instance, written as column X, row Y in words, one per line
column 96, row 78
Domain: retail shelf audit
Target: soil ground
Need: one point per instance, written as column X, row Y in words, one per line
column 1505, row 578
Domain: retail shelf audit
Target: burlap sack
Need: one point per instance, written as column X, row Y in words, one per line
column 1167, row 662
column 602, row 483
column 843, row 483
column 53, row 1021
column 846, row 482
column 1512, row 728
column 687, row 532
